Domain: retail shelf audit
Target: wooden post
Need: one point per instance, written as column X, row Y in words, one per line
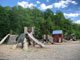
column 33, row 34
column 25, row 44
column 25, row 30
column 33, row 30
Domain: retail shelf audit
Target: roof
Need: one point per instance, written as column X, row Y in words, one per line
column 57, row 32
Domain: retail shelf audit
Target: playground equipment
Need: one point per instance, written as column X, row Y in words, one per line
column 35, row 40
column 4, row 38
column 47, row 38
column 25, row 44
column 12, row 39
column 50, row 39
column 28, row 34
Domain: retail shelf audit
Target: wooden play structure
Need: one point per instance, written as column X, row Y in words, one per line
column 35, row 40
column 47, row 38
column 30, row 34
column 4, row 38
column 12, row 39
column 25, row 38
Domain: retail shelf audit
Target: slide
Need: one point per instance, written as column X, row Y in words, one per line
column 35, row 40
column 4, row 38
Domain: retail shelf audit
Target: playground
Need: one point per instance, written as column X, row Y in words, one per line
column 69, row 50
column 28, row 47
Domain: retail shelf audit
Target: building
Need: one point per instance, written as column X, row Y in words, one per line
column 57, row 36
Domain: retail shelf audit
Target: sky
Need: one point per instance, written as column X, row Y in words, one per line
column 70, row 8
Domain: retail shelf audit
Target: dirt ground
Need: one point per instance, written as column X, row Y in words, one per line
column 69, row 50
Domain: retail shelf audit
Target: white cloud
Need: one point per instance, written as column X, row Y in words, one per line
column 74, row 2
column 43, row 6
column 47, row 0
column 72, row 14
column 63, row 4
column 26, row 4
column 78, row 22
column 38, row 2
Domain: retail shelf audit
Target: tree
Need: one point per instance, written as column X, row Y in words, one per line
column 16, row 18
column 4, row 22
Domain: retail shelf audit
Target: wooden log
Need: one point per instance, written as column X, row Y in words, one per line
column 4, row 38
column 25, row 30
column 25, row 47
column 33, row 30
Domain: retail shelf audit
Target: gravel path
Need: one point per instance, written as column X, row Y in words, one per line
column 59, row 51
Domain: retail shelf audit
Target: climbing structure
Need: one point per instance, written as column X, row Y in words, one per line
column 12, row 39
column 47, row 38
column 30, row 34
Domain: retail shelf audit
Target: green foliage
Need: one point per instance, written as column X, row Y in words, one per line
column 4, row 21
column 15, row 18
